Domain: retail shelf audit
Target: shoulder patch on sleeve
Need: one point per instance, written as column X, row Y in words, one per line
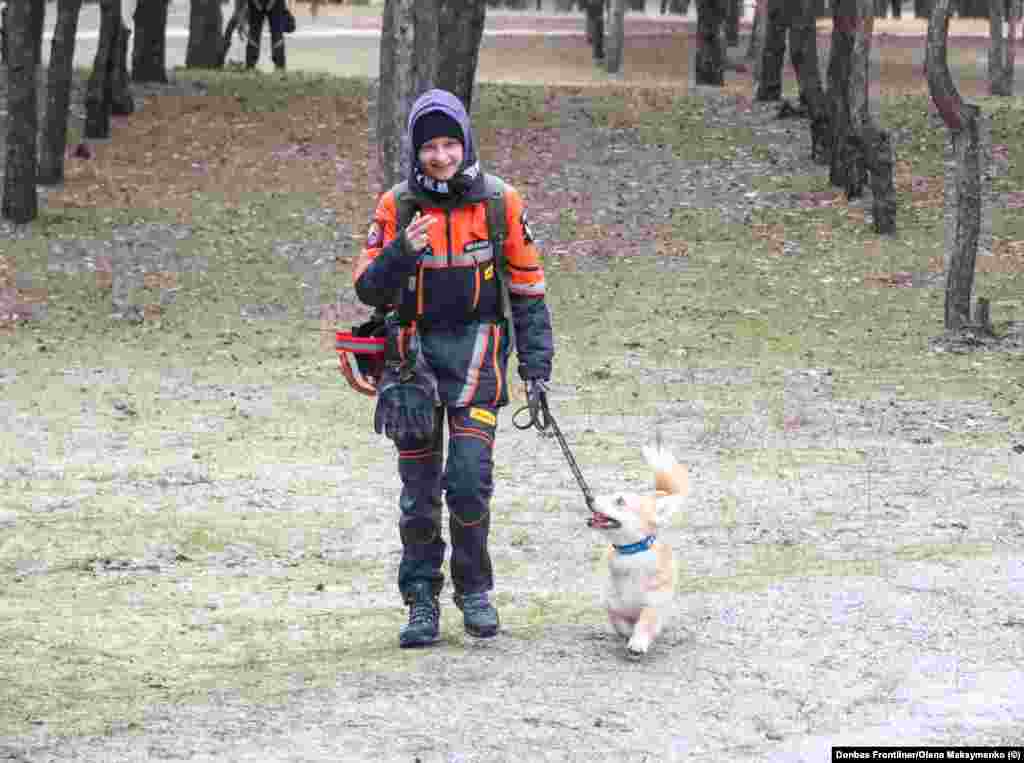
column 375, row 236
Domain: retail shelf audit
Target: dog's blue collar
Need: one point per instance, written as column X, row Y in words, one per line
column 635, row 548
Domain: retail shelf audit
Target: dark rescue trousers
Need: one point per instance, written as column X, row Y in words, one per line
column 466, row 481
column 275, row 14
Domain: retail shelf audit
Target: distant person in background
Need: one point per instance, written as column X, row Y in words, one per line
column 274, row 10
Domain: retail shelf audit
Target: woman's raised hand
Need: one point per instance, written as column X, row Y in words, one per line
column 417, row 233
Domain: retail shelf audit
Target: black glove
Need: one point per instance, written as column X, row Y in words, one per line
column 405, row 411
column 406, row 399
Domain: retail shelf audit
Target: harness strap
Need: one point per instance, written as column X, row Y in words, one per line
column 406, row 204
column 497, row 228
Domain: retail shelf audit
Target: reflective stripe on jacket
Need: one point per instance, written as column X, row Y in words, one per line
column 458, row 282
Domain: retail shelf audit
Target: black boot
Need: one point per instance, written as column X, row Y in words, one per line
column 424, row 626
column 479, row 617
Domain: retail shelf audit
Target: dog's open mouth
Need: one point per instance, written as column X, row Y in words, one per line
column 600, row 521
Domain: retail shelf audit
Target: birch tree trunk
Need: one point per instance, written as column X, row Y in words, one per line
column 149, row 54
column 615, row 42
column 58, row 93
column 463, row 25
column 408, row 66
column 24, row 34
column 962, row 120
column 204, row 34
column 1001, row 50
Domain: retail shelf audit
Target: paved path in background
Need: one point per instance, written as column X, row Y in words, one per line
column 347, row 43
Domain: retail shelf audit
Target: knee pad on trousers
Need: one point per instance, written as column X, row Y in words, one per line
column 469, row 516
column 419, row 531
column 468, row 496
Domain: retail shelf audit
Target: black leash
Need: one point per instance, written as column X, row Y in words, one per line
column 542, row 420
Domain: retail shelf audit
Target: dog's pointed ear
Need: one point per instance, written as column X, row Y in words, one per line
column 674, row 480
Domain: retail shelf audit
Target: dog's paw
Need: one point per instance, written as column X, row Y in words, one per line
column 634, row 653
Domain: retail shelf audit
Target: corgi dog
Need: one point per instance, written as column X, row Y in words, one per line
column 642, row 572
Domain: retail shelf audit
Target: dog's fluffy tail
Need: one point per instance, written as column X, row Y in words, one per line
column 669, row 476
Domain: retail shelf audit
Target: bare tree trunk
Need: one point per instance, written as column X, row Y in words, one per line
column 121, row 101
column 962, row 119
column 463, row 25
column 758, row 34
column 972, row 9
column 58, row 93
column 1001, row 51
column 39, row 23
column 857, row 84
column 24, row 35
column 874, row 159
column 803, row 41
column 595, row 27
column 428, row 43
column 616, row 39
column 239, row 19
column 99, row 95
column 204, row 35
column 149, row 54
column 408, row 59
column 881, row 165
column 709, row 66
column 3, row 34
column 776, row 23
column 732, row 22
column 844, row 20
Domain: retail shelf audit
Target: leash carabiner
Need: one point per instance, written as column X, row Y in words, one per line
column 539, row 418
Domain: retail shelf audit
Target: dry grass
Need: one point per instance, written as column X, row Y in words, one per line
column 179, row 146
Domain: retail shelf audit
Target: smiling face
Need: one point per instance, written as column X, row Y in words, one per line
column 441, row 157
